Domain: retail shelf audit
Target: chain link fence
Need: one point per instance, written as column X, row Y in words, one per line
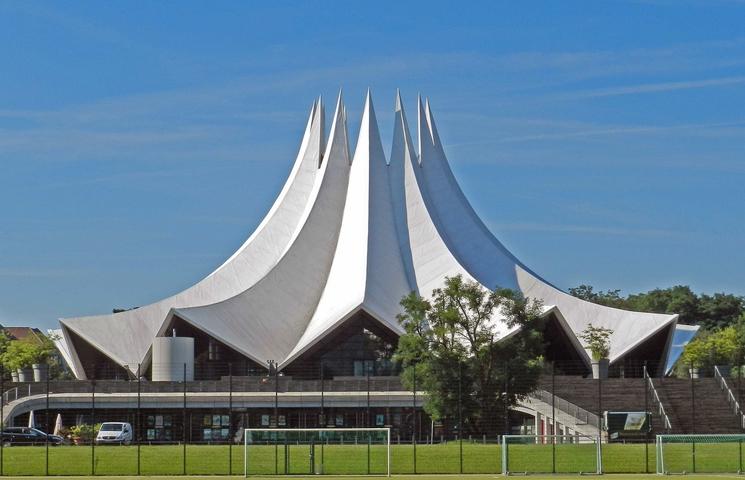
column 196, row 426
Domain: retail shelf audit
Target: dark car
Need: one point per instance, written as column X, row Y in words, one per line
column 28, row 436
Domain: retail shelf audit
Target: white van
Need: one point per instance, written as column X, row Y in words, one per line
column 115, row 432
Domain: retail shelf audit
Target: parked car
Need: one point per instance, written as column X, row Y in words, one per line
column 115, row 432
column 28, row 436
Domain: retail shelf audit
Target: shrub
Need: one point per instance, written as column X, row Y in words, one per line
column 597, row 340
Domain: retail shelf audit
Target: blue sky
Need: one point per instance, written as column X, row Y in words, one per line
column 141, row 142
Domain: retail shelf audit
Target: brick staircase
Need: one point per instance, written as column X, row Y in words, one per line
column 712, row 413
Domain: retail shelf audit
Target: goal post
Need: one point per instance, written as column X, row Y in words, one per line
column 699, row 453
column 315, row 451
column 551, row 454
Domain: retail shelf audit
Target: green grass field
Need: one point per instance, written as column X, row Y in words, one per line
column 355, row 459
column 416, row 477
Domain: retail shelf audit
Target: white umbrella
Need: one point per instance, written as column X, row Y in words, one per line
column 58, row 425
column 31, row 420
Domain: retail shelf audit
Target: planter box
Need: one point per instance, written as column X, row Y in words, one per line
column 600, row 368
column 41, row 372
column 25, row 374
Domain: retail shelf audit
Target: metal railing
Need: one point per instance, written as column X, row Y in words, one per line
column 583, row 416
column 731, row 399
column 656, row 399
column 17, row 392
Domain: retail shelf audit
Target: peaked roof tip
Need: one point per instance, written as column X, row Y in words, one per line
column 369, row 110
column 431, row 122
column 422, row 126
column 399, row 103
column 340, row 101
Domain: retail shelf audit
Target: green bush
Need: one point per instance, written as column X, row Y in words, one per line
column 84, row 432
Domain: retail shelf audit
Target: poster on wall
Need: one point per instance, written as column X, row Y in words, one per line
column 265, row 420
column 379, row 420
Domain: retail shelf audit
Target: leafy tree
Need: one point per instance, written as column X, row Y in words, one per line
column 678, row 299
column 609, row 298
column 720, row 347
column 695, row 353
column 4, row 342
column 455, row 341
column 720, row 309
column 597, row 340
column 26, row 352
column 711, row 312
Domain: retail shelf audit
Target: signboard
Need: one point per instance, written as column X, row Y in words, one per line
column 627, row 424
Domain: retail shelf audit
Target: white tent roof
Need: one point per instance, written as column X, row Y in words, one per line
column 344, row 237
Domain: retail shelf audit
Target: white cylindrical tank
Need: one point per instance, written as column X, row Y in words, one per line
column 170, row 355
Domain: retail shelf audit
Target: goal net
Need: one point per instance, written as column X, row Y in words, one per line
column 700, row 453
column 526, row 454
column 316, row 451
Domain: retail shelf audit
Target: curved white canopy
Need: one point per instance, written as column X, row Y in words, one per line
column 347, row 236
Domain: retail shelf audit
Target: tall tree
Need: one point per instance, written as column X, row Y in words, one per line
column 609, row 298
column 720, row 310
column 457, row 341
column 679, row 299
column 711, row 312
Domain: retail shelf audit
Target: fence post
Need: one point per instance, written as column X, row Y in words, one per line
column 414, row 430
column 230, row 418
column 600, row 416
column 460, row 413
column 272, row 367
column 739, row 376
column 184, row 424
column 506, row 398
column 322, row 420
column 2, row 413
column 646, row 414
column 138, row 420
column 693, row 418
column 93, row 421
column 368, row 422
column 276, row 395
column 46, row 428
column 553, row 417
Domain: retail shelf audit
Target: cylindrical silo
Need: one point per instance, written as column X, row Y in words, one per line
column 170, row 355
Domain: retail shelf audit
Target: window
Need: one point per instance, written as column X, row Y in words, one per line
column 363, row 367
column 158, row 428
column 215, row 427
column 214, row 350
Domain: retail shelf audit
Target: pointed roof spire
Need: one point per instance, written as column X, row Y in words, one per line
column 369, row 110
column 423, row 130
column 432, row 127
column 369, row 136
column 321, row 128
column 401, row 122
column 338, row 131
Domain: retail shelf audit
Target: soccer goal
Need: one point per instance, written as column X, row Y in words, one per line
column 527, row 454
column 700, row 453
column 317, row 451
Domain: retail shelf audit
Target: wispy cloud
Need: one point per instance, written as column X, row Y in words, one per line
column 32, row 272
column 655, row 87
column 586, row 229
column 579, row 130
